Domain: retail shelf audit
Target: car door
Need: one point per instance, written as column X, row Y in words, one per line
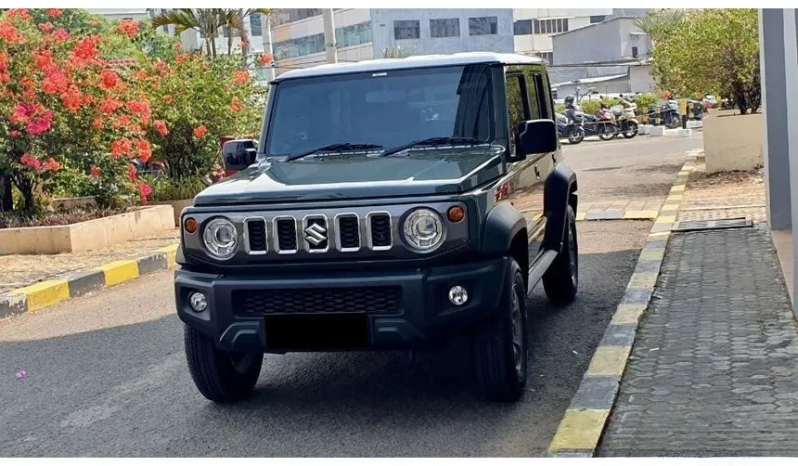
column 526, row 187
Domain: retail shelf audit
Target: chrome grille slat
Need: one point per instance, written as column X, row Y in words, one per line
column 317, row 233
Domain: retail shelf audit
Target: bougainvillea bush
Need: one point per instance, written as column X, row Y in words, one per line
column 74, row 118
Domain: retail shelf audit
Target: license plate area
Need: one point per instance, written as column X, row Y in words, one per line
column 316, row 332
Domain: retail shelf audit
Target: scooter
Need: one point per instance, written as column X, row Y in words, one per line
column 569, row 130
column 627, row 125
column 606, row 130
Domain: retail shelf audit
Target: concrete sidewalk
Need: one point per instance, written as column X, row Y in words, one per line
column 714, row 369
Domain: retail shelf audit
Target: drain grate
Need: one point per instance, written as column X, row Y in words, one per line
column 718, row 224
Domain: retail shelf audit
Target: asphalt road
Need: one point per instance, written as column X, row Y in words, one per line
column 106, row 374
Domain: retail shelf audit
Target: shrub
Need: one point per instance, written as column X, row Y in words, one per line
column 167, row 189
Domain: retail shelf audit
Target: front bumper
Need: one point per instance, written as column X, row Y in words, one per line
column 418, row 314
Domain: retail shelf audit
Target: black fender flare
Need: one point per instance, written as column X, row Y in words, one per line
column 502, row 223
column 556, row 195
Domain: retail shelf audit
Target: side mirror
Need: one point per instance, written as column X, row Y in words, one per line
column 239, row 154
column 536, row 137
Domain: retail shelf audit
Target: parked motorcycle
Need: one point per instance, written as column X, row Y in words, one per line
column 627, row 125
column 569, row 130
column 606, row 130
column 665, row 113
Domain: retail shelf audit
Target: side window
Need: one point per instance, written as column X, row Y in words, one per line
column 540, row 93
column 517, row 104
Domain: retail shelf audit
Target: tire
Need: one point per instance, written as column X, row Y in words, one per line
column 561, row 281
column 607, row 132
column 214, row 371
column 576, row 136
column 500, row 344
column 632, row 131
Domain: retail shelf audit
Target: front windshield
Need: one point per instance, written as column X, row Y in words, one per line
column 386, row 108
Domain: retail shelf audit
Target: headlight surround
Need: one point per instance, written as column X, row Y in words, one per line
column 423, row 230
column 220, row 238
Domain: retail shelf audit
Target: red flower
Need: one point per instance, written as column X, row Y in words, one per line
column 160, row 66
column 55, row 80
column 109, row 79
column 121, row 147
column 43, row 58
column 15, row 133
column 54, row 12
column 182, row 58
column 18, row 12
column 121, row 122
column 128, row 26
column 40, row 124
column 46, row 27
column 240, row 77
column 20, row 114
column 109, row 105
column 140, row 107
column 160, row 127
column 200, row 131
column 9, row 33
column 31, row 162
column 72, row 98
column 52, row 165
column 60, row 35
column 86, row 47
column 132, row 172
column 141, row 75
column 144, row 149
column 144, row 191
column 95, row 171
column 265, row 59
column 97, row 123
column 235, row 105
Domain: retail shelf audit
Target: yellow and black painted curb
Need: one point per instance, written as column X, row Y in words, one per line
column 46, row 293
column 621, row 214
column 581, row 428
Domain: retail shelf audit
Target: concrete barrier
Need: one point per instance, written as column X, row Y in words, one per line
column 658, row 131
column 644, row 129
column 685, row 133
column 734, row 142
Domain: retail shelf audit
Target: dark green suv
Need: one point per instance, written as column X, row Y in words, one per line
column 392, row 205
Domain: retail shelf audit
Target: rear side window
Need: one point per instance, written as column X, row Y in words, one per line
column 518, row 104
column 542, row 106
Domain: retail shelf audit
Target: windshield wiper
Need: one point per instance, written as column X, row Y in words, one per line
column 333, row 147
column 436, row 141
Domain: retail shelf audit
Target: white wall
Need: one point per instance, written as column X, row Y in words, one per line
column 577, row 18
column 610, row 40
column 640, row 79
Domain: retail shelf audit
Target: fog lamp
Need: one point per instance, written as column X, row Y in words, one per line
column 198, row 301
column 458, row 295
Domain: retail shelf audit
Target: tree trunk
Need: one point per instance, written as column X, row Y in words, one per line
column 208, row 46
column 6, row 194
column 230, row 43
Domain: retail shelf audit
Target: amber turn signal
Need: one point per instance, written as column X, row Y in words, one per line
column 456, row 214
column 191, row 225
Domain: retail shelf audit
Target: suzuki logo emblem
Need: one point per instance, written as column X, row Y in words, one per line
column 315, row 234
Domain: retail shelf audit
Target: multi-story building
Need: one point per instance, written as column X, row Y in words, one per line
column 534, row 27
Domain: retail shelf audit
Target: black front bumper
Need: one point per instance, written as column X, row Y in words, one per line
column 417, row 315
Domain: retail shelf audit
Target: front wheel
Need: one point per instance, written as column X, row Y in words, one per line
column 631, row 130
column 562, row 279
column 220, row 376
column 500, row 343
column 607, row 132
column 576, row 135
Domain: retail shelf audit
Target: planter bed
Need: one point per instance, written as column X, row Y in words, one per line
column 136, row 223
column 178, row 206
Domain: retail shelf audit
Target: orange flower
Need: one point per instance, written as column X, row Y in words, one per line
column 235, row 105
column 43, row 59
column 168, row 99
column 200, row 131
column 240, row 77
column 54, row 12
column 265, row 59
column 18, row 12
column 144, row 150
column 160, row 127
column 121, row 147
column 52, row 165
column 141, row 75
column 140, row 107
column 72, row 98
column 46, row 27
column 121, row 122
column 182, row 58
column 55, row 80
column 95, row 171
column 97, row 123
column 60, row 35
column 109, row 79
column 9, row 33
column 128, row 27
column 86, row 48
column 109, row 105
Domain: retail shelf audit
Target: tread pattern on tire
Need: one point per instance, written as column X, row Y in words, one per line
column 494, row 367
column 213, row 374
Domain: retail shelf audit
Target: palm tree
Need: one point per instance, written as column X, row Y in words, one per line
column 208, row 21
column 658, row 24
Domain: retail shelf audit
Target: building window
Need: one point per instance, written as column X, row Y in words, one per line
column 483, row 26
column 548, row 57
column 407, row 29
column 449, row 27
column 597, row 19
column 551, row 26
column 522, row 27
column 255, row 24
column 634, row 51
column 348, row 36
column 355, row 34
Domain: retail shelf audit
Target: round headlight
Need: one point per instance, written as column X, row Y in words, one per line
column 220, row 238
column 423, row 230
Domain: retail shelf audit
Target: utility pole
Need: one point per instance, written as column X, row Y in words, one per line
column 268, row 19
column 329, row 35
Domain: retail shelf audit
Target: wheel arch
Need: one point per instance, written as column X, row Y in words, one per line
column 505, row 232
column 560, row 191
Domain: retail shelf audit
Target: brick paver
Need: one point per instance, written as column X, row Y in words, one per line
column 727, row 195
column 714, row 370
column 19, row 270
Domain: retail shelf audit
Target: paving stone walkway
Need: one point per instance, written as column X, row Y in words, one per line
column 714, row 369
column 18, row 270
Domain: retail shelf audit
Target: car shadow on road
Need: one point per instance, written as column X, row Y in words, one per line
column 132, row 380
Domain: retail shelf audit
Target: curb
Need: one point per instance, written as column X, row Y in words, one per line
column 580, row 430
column 620, row 214
column 46, row 293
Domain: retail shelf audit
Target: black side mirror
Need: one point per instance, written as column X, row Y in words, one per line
column 239, row 153
column 536, row 137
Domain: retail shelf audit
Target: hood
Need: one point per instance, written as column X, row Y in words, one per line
column 357, row 176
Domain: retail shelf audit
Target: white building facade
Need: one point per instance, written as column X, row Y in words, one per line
column 534, row 28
